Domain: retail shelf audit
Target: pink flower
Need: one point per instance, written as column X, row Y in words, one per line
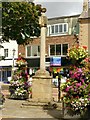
column 82, row 80
column 79, row 70
column 78, row 84
column 67, row 89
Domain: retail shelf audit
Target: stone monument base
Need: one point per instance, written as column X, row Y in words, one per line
column 42, row 87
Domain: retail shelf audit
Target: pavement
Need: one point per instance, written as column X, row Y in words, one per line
column 13, row 109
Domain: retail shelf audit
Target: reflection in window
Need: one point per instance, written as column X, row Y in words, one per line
column 56, row 28
column 52, row 49
column 58, row 49
column 33, row 50
column 65, row 29
column 28, row 51
column 64, row 49
column 60, row 28
column 52, row 29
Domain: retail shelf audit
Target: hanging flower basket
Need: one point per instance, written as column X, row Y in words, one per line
column 21, row 62
column 77, row 54
column 77, row 86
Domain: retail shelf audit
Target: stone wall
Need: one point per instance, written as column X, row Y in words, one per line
column 84, row 35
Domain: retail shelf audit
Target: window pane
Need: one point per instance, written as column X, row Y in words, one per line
column 28, row 50
column 65, row 29
column 48, row 30
column 52, row 49
column 38, row 50
column 58, row 49
column 60, row 28
column 64, row 49
column 56, row 28
column 52, row 29
column 34, row 50
column 6, row 52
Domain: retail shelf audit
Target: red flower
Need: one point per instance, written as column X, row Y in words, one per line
column 85, row 47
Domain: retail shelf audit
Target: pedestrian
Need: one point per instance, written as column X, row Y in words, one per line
column 30, row 86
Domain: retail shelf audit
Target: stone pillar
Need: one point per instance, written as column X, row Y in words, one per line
column 42, row 81
column 84, row 23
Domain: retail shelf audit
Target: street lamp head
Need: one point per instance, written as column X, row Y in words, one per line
column 13, row 50
column 43, row 10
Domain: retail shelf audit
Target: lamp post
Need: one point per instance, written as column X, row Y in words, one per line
column 13, row 57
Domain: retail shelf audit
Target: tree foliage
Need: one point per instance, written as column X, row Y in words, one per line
column 20, row 21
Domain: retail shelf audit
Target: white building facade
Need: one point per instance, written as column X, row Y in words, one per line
column 10, row 52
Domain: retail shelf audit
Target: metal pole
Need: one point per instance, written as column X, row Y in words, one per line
column 13, row 56
column 59, row 82
column 13, row 59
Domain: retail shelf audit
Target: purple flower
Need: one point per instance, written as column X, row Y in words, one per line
column 89, row 99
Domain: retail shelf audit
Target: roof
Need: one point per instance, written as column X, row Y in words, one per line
column 62, row 17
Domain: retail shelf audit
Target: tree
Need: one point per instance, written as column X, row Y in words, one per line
column 20, row 21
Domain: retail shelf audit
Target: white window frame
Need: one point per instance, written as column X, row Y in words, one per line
column 49, row 31
column 31, row 51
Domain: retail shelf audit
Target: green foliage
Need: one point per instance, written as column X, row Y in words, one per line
column 77, row 87
column 20, row 21
column 19, row 83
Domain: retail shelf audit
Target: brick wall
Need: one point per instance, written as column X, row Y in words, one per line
column 49, row 40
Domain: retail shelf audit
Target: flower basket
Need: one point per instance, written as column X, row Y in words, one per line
column 77, row 54
column 77, row 85
column 17, row 97
column 13, row 95
column 19, row 82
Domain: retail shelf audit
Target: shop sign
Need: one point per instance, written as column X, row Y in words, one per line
column 55, row 61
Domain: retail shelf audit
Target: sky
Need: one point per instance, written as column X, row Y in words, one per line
column 58, row 8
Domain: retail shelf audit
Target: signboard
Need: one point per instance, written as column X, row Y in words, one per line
column 55, row 61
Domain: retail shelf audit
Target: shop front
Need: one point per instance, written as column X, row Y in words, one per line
column 6, row 70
